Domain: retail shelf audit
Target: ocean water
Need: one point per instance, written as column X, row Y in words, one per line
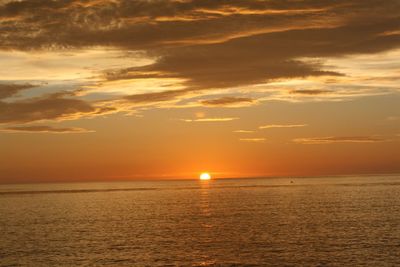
column 341, row 221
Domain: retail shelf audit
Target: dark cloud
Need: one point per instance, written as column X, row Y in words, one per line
column 208, row 43
column 8, row 90
column 42, row 129
column 52, row 107
column 339, row 139
column 142, row 23
column 224, row 101
column 209, row 67
column 264, row 57
column 155, row 97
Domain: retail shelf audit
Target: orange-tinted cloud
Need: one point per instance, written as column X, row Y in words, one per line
column 227, row 101
column 8, row 90
column 311, row 92
column 338, row 139
column 243, row 131
column 51, row 107
column 220, row 119
column 248, row 44
column 155, row 97
column 43, row 129
column 253, row 140
column 271, row 126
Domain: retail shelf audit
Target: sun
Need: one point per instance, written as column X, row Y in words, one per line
column 205, row 176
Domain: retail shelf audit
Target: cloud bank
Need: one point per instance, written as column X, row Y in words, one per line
column 195, row 47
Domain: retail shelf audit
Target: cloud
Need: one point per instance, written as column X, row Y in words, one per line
column 250, row 41
column 43, row 129
column 311, row 92
column 50, row 107
column 253, row 140
column 243, row 131
column 195, row 45
column 155, row 97
column 270, row 126
column 227, row 101
column 393, row 118
column 210, row 119
column 338, row 139
column 217, row 65
column 269, row 56
column 8, row 90
column 141, row 23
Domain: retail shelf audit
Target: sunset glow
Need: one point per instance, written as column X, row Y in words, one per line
column 205, row 176
column 125, row 90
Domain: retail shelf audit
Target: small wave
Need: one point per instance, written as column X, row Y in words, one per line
column 211, row 187
column 68, row 191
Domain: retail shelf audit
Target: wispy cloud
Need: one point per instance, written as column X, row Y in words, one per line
column 44, row 129
column 243, row 131
column 222, row 119
column 228, row 101
column 311, row 92
column 253, row 140
column 271, row 126
column 338, row 139
column 155, row 97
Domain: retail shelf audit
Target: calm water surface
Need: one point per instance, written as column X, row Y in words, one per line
column 347, row 221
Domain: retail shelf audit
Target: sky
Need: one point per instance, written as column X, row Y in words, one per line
column 166, row 89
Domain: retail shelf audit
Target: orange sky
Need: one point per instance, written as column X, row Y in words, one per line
column 116, row 90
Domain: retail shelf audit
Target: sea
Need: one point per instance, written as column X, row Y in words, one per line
column 324, row 221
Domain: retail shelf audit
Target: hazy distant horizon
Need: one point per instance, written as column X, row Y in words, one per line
column 111, row 180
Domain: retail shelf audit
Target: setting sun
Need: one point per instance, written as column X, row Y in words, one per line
column 205, row 176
